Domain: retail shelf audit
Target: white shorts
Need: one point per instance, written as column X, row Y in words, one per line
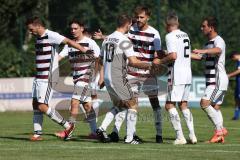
column 82, row 92
column 42, row 91
column 214, row 95
column 178, row 93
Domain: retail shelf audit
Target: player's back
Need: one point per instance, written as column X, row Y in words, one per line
column 114, row 57
column 178, row 41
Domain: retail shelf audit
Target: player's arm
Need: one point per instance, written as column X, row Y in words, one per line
column 234, row 73
column 134, row 62
column 213, row 51
column 76, row 45
column 99, row 35
column 101, row 78
column 171, row 57
column 196, row 56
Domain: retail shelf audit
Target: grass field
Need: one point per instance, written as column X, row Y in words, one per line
column 17, row 126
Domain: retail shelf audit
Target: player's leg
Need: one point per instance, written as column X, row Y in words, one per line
column 37, row 121
column 91, row 119
column 189, row 121
column 237, row 103
column 131, row 121
column 101, row 131
column 187, row 113
column 151, row 89
column 119, row 118
column 43, row 96
column 157, row 117
column 217, row 101
column 95, row 104
column 172, row 97
column 207, row 106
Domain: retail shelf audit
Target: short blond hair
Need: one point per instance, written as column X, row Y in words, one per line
column 172, row 19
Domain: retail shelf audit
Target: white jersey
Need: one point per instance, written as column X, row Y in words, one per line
column 215, row 72
column 115, row 50
column 145, row 43
column 179, row 72
column 82, row 64
column 47, row 47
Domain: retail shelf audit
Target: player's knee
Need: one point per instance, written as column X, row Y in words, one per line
column 87, row 107
column 204, row 103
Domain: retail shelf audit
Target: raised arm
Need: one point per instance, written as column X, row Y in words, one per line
column 99, row 35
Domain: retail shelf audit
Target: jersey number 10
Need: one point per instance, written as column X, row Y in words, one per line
column 109, row 52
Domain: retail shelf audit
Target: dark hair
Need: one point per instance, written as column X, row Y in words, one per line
column 77, row 21
column 35, row 20
column 233, row 53
column 140, row 9
column 123, row 19
column 212, row 22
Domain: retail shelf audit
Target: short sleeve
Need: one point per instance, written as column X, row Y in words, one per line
column 220, row 43
column 56, row 37
column 171, row 44
column 128, row 48
column 95, row 48
column 64, row 51
column 157, row 42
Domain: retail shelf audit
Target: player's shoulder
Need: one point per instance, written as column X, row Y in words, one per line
column 151, row 30
column 51, row 33
column 219, row 38
column 89, row 40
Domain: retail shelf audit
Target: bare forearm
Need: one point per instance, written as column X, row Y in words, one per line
column 234, row 73
column 74, row 44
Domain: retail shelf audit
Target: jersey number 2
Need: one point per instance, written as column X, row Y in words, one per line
column 110, row 49
column 187, row 47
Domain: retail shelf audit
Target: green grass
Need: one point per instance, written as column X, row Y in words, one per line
column 17, row 126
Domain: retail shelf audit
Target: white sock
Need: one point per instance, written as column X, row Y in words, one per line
column 119, row 118
column 220, row 117
column 158, row 120
column 189, row 120
column 175, row 120
column 37, row 121
column 56, row 117
column 108, row 118
column 131, row 124
column 91, row 119
column 212, row 115
column 95, row 105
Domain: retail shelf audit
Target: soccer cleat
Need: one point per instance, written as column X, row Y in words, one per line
column 159, row 139
column 134, row 141
column 136, row 138
column 103, row 136
column 193, row 138
column 67, row 133
column 225, row 132
column 180, row 141
column 114, row 137
column 217, row 137
column 36, row 137
column 93, row 136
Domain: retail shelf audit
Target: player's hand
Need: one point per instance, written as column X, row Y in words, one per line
column 98, row 34
column 199, row 51
column 101, row 83
column 156, row 61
